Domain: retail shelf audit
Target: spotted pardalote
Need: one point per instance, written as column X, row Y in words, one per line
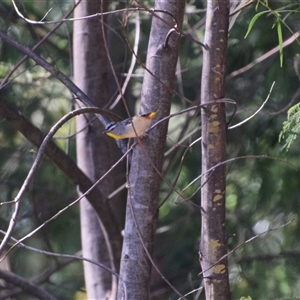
column 130, row 128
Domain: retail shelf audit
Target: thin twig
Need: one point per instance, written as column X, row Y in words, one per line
column 112, row 67
column 286, row 107
column 179, row 172
column 74, row 257
column 33, row 169
column 192, row 108
column 5, row 79
column 153, row 12
column 68, row 206
column 132, row 64
column 218, row 101
column 104, row 116
column 194, row 291
column 240, row 8
column 255, row 113
column 233, row 159
column 146, row 249
column 97, row 15
column 265, row 56
column 27, row 286
column 247, row 242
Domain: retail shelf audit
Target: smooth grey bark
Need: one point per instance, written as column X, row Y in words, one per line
column 95, row 152
column 144, row 178
column 213, row 244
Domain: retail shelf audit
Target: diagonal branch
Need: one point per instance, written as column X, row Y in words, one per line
column 26, row 286
column 267, row 55
column 6, row 78
column 103, row 116
column 67, row 165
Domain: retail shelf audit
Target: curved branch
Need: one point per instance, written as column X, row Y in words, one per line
column 103, row 115
column 256, row 112
column 67, row 165
column 70, row 205
column 26, row 286
column 127, row 9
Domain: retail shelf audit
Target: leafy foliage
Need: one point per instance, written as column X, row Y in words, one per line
column 280, row 15
column 261, row 193
column 291, row 127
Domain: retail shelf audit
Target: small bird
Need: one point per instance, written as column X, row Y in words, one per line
column 129, row 128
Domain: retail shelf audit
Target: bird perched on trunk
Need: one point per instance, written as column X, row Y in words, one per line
column 130, row 128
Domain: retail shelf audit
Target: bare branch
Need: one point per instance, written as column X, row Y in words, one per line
column 104, row 116
column 255, row 113
column 247, row 242
column 33, row 169
column 97, row 15
column 61, row 255
column 265, row 56
column 6, row 78
column 147, row 251
column 68, row 206
column 26, row 286
column 132, row 64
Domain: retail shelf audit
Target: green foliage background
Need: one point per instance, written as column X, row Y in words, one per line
column 262, row 193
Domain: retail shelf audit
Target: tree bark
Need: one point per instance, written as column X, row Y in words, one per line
column 95, row 152
column 144, row 179
column 213, row 244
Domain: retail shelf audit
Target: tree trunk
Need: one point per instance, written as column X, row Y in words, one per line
column 95, row 152
column 213, row 244
column 144, row 180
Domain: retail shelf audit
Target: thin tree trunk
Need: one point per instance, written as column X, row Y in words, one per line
column 95, row 152
column 144, row 180
column 213, row 244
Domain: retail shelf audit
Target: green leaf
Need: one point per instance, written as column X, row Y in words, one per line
column 252, row 22
column 280, row 40
column 291, row 127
